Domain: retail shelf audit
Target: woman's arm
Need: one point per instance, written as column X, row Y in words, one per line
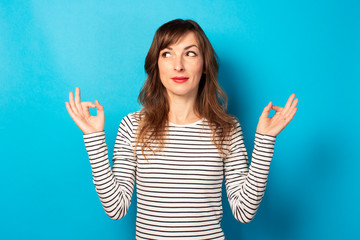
column 114, row 186
column 245, row 186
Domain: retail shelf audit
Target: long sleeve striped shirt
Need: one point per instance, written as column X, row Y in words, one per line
column 179, row 189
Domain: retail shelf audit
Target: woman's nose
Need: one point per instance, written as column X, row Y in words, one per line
column 178, row 64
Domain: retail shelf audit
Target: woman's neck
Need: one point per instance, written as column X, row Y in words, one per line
column 182, row 110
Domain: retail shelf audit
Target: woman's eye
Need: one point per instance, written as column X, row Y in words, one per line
column 191, row 54
column 165, row 54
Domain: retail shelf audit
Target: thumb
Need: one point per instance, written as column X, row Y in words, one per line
column 266, row 110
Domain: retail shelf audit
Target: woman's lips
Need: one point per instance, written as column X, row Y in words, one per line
column 180, row 79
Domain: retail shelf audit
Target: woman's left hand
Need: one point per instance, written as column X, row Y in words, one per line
column 274, row 125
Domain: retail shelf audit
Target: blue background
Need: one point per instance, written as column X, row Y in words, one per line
column 267, row 50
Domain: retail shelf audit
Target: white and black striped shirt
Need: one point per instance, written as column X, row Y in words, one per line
column 179, row 189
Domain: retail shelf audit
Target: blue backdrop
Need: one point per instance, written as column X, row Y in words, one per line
column 267, row 50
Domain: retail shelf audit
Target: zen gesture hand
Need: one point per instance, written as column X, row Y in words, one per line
column 79, row 112
column 274, row 125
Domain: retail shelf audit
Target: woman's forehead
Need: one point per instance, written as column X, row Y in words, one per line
column 184, row 40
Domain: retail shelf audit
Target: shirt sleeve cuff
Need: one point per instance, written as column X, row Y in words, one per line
column 264, row 147
column 266, row 138
column 93, row 141
column 93, row 134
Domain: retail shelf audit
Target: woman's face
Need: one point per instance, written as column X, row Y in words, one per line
column 181, row 67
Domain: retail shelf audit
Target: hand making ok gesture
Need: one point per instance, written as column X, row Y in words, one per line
column 274, row 125
column 79, row 112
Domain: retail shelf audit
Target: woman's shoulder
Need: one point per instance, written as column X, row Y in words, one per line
column 129, row 123
column 133, row 118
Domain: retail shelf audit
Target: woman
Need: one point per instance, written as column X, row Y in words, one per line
column 180, row 145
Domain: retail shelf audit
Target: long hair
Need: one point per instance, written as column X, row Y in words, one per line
column 211, row 101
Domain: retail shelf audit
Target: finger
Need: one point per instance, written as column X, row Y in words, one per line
column 99, row 109
column 266, row 110
column 72, row 104
column 293, row 114
column 98, row 106
column 78, row 101
column 85, row 106
column 290, row 116
column 277, row 108
column 293, row 105
column 70, row 111
column 295, row 102
column 288, row 103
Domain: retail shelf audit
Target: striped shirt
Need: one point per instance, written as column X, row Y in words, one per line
column 179, row 189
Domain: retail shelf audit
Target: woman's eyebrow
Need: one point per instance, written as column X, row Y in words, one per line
column 193, row 45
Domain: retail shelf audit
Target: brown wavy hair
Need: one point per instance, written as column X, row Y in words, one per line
column 211, row 101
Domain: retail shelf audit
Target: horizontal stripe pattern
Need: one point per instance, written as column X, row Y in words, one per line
column 179, row 189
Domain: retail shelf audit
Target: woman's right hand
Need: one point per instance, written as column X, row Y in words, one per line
column 79, row 112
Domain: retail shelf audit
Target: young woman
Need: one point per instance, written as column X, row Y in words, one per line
column 180, row 145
